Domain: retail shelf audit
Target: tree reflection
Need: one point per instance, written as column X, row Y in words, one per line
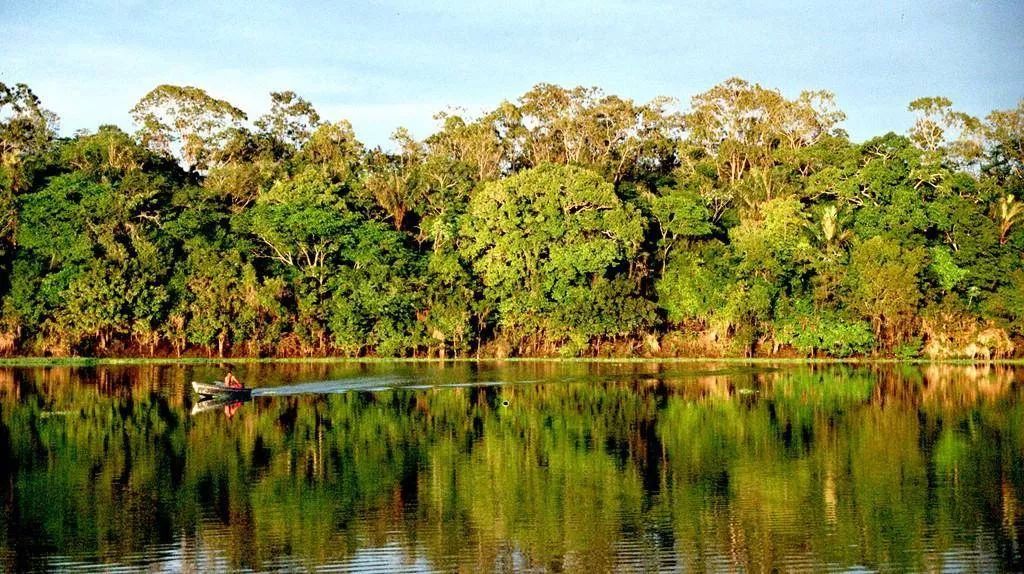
column 600, row 468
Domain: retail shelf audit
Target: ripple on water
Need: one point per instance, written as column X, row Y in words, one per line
column 585, row 469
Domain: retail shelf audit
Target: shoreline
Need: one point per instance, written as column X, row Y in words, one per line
column 128, row 361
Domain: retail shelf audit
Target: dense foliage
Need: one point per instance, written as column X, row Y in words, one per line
column 567, row 222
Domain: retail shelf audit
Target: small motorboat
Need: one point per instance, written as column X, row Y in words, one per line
column 219, row 389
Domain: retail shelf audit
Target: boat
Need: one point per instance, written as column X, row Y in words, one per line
column 219, row 389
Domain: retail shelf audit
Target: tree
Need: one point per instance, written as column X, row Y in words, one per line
column 376, row 292
column 185, row 122
column 109, row 154
column 333, row 152
column 450, row 302
column 1007, row 304
column 487, row 143
column 939, row 129
column 771, row 241
column 393, row 179
column 94, row 236
column 8, row 223
column 829, row 235
column 680, row 214
column 1004, row 129
column 743, row 125
column 446, row 189
column 536, row 236
column 830, row 230
column 1009, row 212
column 99, row 303
column 882, row 190
column 564, row 221
column 26, row 128
column 971, row 240
column 812, row 331
column 581, row 126
column 213, row 302
column 291, row 119
column 883, row 285
column 696, row 283
column 302, row 224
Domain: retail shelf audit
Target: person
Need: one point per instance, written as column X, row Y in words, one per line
column 231, row 382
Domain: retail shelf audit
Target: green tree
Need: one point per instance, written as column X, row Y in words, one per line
column 1004, row 129
column 291, row 119
column 535, row 237
column 680, row 215
column 939, row 129
column 743, row 126
column 394, row 180
column 185, row 122
column 566, row 220
column 696, row 283
column 771, row 241
column 884, row 286
column 26, row 129
column 376, row 293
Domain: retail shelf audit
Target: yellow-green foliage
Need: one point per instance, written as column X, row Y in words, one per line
column 567, row 222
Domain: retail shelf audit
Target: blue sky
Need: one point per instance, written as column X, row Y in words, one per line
column 386, row 63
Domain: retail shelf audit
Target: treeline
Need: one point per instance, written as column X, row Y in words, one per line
column 568, row 222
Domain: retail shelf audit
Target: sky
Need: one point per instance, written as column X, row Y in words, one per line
column 385, row 64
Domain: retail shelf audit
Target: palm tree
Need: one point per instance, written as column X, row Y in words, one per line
column 1009, row 213
column 830, row 230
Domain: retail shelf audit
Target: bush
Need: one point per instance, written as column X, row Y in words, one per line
column 909, row 349
column 825, row 332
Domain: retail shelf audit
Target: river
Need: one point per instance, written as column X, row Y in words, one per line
column 514, row 466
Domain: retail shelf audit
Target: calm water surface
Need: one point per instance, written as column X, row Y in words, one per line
column 515, row 467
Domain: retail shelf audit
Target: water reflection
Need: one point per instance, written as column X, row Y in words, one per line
column 539, row 466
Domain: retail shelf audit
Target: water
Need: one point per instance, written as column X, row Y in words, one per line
column 515, row 467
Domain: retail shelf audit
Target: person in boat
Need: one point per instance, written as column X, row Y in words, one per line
column 232, row 382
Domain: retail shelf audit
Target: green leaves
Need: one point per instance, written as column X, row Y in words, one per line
column 813, row 331
column 377, row 292
column 944, row 133
column 695, row 284
column 945, row 268
column 185, row 122
column 553, row 223
column 883, row 283
column 536, row 236
column 26, row 131
column 291, row 119
column 771, row 241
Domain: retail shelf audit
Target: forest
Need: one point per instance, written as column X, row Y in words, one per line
column 568, row 222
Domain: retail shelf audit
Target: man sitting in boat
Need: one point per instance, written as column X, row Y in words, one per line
column 231, row 382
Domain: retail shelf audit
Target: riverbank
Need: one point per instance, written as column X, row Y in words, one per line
column 98, row 361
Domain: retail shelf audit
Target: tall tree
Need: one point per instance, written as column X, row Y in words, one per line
column 185, row 122
column 26, row 128
column 883, row 283
column 291, row 119
column 538, row 237
column 393, row 179
column 941, row 130
column 743, row 125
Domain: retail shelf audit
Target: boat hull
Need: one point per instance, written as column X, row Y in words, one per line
column 217, row 390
